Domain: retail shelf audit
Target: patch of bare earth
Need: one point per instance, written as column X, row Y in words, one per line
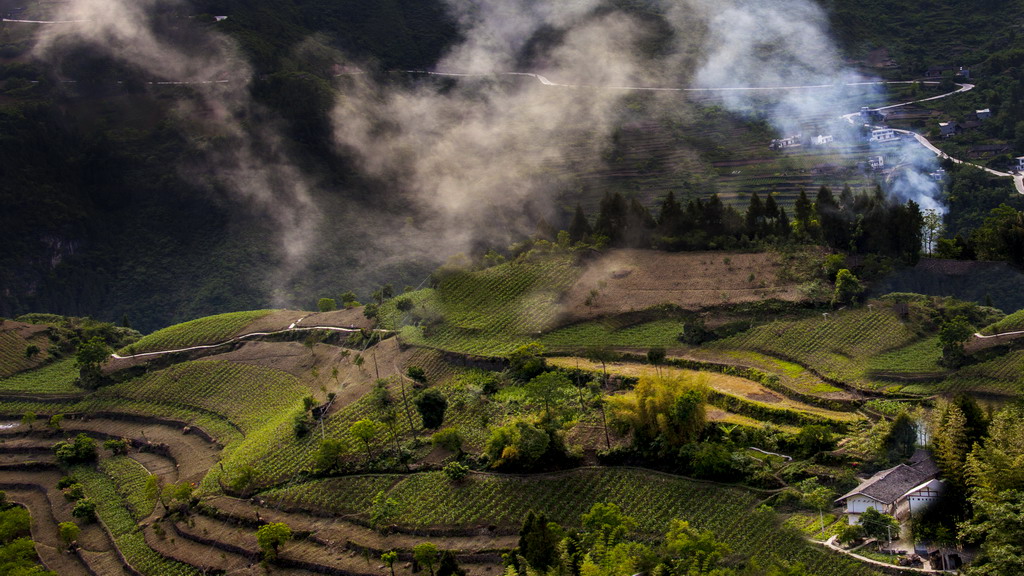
column 628, row 280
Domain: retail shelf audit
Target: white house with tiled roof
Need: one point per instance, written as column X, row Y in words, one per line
column 900, row 491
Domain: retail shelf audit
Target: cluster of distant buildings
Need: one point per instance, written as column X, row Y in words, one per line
column 799, row 140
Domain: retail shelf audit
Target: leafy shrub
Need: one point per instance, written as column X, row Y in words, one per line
column 449, row 439
column 85, row 510
column 81, row 450
column 456, row 471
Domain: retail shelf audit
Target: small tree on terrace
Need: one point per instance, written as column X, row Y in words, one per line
column 953, row 334
column 431, row 405
column 90, row 357
column 389, row 558
column 68, row 532
column 270, row 538
column 848, row 288
column 326, row 304
column 365, row 430
column 817, row 496
column 548, row 389
column 878, row 525
column 426, row 555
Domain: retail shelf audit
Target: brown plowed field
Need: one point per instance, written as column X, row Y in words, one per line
column 630, row 280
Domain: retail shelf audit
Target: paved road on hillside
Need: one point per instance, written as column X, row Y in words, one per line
column 1018, row 179
column 292, row 328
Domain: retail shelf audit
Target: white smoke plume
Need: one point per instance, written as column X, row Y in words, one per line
column 245, row 158
column 911, row 179
column 464, row 154
column 468, row 156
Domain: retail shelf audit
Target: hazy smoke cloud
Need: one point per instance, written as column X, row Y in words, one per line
column 470, row 155
column 465, row 154
column 912, row 180
column 246, row 158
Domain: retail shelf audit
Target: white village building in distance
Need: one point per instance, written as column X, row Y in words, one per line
column 900, row 491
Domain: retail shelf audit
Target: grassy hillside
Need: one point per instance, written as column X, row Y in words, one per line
column 207, row 330
column 1011, row 323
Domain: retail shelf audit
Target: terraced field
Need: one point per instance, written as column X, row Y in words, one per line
column 917, row 361
column 735, row 394
column 836, row 346
column 207, row 330
column 244, row 395
column 429, row 500
column 55, row 378
column 489, row 312
column 1001, row 376
column 12, row 354
column 1011, row 323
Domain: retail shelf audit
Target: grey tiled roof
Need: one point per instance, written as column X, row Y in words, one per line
column 888, row 485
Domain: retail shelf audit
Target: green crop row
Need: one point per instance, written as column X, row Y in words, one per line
column 208, row 330
column 921, row 357
column 1011, row 323
column 602, row 333
column 837, row 346
column 1001, row 375
column 244, row 395
column 127, row 535
column 131, row 480
column 429, row 500
column 12, row 354
column 56, row 378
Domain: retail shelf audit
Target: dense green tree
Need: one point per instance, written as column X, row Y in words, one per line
column 693, row 551
column 78, row 451
column 878, row 525
column 326, row 304
column 661, row 413
column 612, row 218
column 431, row 405
column 90, row 357
column 900, row 441
column 85, row 510
column 951, row 444
column 953, row 334
column 754, row 220
column 389, row 558
column 549, row 389
column 848, row 288
column 365, row 431
column 328, row 457
column 270, row 538
column 527, row 361
column 417, row 374
column 538, row 541
column 426, row 554
column 68, row 533
column 803, row 221
column 815, row 438
column 579, row 228
column 448, row 565
column 998, row 526
column 516, row 444
column 605, row 524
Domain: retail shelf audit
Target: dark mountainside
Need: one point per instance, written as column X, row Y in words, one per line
column 107, row 213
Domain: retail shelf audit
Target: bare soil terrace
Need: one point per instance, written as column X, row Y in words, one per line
column 629, row 280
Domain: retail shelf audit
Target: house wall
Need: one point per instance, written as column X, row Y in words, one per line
column 857, row 505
